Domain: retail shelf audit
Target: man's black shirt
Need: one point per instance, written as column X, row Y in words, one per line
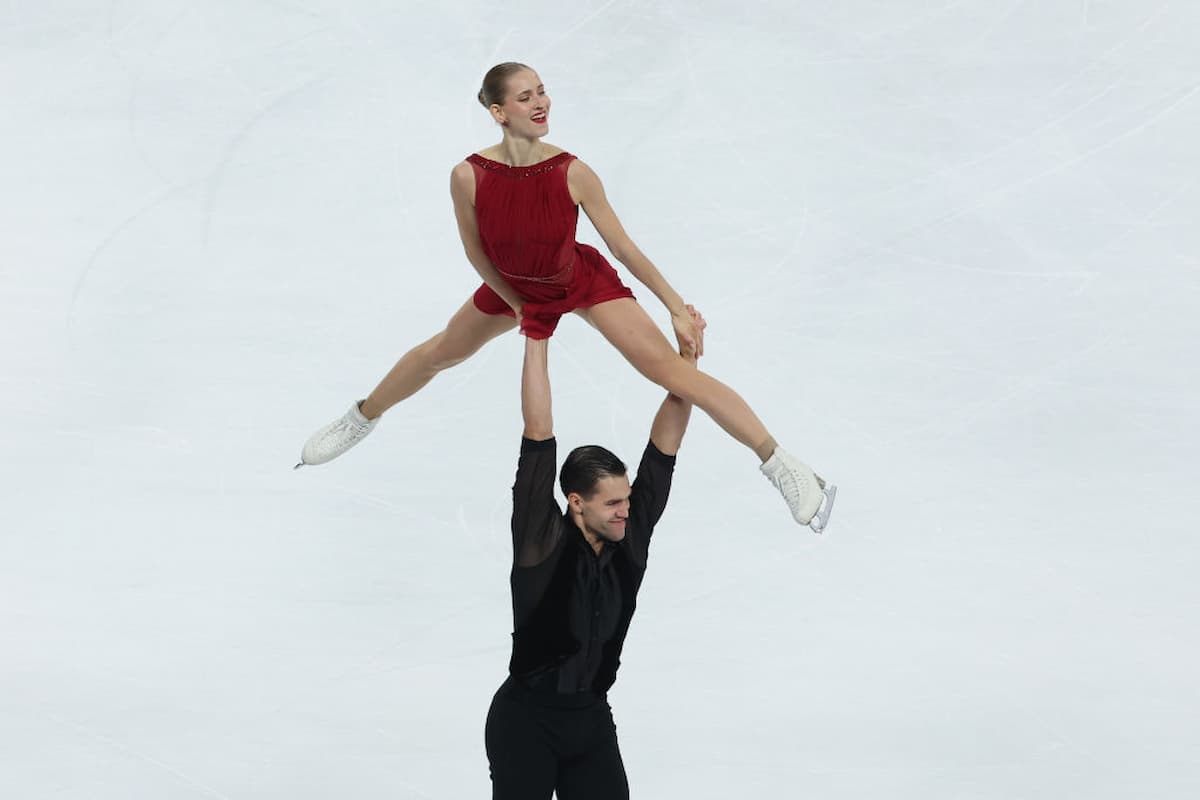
column 572, row 606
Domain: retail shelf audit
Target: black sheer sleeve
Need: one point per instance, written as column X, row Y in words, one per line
column 536, row 513
column 648, row 498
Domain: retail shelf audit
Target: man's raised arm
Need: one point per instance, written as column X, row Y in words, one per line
column 536, row 515
column 535, row 390
column 671, row 421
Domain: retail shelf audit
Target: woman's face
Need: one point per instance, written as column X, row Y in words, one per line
column 526, row 108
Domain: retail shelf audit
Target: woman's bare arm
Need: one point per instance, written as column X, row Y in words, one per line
column 588, row 191
column 462, row 191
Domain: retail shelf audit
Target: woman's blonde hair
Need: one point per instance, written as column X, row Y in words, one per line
column 495, row 83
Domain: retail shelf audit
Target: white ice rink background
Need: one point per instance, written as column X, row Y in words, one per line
column 948, row 251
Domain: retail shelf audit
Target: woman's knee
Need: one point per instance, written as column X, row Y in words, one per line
column 444, row 351
column 462, row 338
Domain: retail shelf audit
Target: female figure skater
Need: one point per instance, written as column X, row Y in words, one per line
column 517, row 204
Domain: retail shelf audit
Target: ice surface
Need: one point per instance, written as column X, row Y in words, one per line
column 948, row 250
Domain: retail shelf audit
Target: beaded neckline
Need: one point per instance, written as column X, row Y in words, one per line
column 519, row 172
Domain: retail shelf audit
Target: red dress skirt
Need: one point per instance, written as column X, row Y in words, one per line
column 527, row 221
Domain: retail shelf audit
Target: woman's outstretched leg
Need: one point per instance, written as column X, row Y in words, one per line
column 467, row 331
column 629, row 328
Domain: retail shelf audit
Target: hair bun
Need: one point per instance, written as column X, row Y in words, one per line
column 495, row 82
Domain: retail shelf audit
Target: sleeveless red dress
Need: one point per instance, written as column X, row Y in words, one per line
column 526, row 221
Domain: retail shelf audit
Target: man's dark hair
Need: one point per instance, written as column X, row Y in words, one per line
column 585, row 466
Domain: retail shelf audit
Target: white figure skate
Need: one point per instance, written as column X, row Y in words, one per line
column 336, row 438
column 809, row 498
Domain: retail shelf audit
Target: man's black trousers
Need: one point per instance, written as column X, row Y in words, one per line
column 538, row 744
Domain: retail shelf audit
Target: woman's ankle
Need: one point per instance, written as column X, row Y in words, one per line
column 764, row 450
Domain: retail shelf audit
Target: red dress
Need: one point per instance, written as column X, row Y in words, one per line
column 526, row 221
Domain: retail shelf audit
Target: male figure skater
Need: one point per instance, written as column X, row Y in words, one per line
column 575, row 579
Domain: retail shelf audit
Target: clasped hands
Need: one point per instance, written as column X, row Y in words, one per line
column 689, row 328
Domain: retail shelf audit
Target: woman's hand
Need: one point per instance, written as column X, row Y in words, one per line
column 689, row 327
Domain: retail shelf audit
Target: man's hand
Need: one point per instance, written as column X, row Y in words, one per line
column 671, row 421
column 689, row 328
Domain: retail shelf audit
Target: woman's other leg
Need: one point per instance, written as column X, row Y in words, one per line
column 628, row 327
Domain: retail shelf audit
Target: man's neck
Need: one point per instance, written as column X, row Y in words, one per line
column 592, row 539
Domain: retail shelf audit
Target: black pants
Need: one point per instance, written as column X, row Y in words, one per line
column 539, row 744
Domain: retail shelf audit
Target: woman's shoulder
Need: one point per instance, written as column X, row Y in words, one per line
column 553, row 151
column 579, row 172
column 463, row 172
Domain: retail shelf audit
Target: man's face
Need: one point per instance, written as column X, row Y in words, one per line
column 605, row 512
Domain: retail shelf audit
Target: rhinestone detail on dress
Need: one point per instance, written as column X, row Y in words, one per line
column 519, row 172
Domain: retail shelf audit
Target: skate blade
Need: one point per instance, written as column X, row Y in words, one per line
column 821, row 518
column 298, row 466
